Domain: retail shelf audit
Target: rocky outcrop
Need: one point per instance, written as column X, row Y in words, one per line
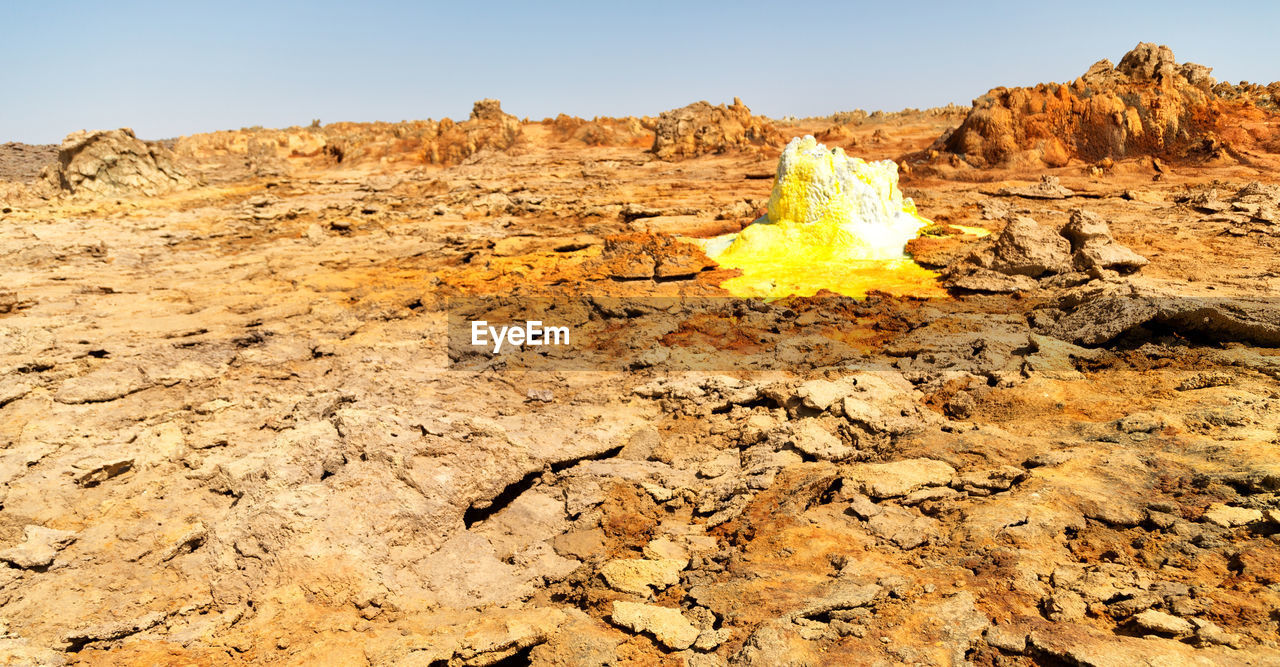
column 21, row 163
column 489, row 127
column 640, row 256
column 1026, row 251
column 1147, row 105
column 488, row 109
column 114, row 162
column 1097, row 315
column 1093, row 248
column 700, row 128
column 629, row 131
column 1253, row 209
column 444, row 142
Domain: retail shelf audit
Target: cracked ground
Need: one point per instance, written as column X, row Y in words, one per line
column 230, row 432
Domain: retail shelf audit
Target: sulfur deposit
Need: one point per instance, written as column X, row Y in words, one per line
column 835, row 222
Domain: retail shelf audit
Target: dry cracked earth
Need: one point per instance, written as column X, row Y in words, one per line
column 230, row 432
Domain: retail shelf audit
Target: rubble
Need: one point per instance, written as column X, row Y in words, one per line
column 22, row 163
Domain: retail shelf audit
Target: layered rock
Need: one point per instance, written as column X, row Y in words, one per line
column 1099, row 314
column 114, row 162
column 700, row 128
column 1147, row 105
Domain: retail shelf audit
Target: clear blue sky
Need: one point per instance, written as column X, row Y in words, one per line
column 172, row 68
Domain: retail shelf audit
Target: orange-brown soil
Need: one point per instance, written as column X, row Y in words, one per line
column 230, row 432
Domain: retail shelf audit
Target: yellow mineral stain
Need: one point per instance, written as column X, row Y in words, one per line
column 835, row 223
column 855, row 278
column 977, row 232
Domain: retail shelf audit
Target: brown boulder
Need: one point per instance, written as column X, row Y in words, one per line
column 1148, row 62
column 1093, row 247
column 1025, row 252
column 1025, row 248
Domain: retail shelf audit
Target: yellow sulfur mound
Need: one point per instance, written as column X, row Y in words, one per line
column 834, row 223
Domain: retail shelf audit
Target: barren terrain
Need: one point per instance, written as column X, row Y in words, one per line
column 230, row 432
